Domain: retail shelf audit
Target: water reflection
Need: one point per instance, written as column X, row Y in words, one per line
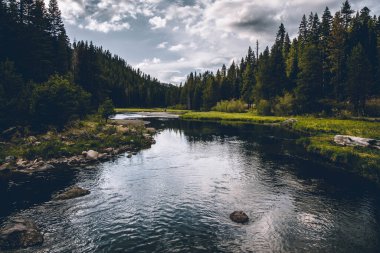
column 176, row 197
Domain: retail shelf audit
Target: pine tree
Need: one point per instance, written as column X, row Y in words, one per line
column 280, row 37
column 248, row 85
column 309, row 89
column 346, row 13
column 303, row 32
column 359, row 78
column 337, row 56
column 287, row 45
column 326, row 26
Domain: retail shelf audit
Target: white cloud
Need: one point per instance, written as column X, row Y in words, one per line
column 162, row 45
column 177, row 47
column 148, row 62
column 157, row 22
column 106, row 26
column 71, row 10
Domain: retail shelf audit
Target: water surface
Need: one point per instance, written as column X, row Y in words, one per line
column 177, row 197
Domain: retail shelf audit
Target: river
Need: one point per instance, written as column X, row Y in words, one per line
column 177, row 197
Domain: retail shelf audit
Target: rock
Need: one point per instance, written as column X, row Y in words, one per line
column 21, row 162
column 109, row 150
column 239, row 217
column 289, row 123
column 31, row 139
column 129, row 155
column 9, row 133
column 73, row 192
column 20, row 233
column 46, row 167
column 92, row 155
column 5, row 167
column 346, row 140
column 10, row 159
column 151, row 130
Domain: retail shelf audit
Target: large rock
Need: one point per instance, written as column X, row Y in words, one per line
column 289, row 123
column 71, row 193
column 20, row 233
column 347, row 140
column 10, row 159
column 239, row 217
column 91, row 154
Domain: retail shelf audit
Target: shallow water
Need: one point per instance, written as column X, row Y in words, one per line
column 177, row 197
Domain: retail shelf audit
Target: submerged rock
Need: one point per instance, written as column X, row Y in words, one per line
column 71, row 193
column 346, row 140
column 239, row 217
column 20, row 233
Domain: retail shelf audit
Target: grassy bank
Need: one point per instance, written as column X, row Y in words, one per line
column 89, row 134
column 318, row 135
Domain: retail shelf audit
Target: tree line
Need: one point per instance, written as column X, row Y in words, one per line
column 44, row 79
column 332, row 66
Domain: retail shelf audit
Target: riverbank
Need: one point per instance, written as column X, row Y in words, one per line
column 318, row 138
column 79, row 144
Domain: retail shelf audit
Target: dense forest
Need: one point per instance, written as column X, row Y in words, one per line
column 332, row 67
column 44, row 79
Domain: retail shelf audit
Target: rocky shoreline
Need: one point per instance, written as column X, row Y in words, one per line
column 13, row 164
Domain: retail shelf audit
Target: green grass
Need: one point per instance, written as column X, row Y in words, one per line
column 84, row 135
column 226, row 116
column 318, row 135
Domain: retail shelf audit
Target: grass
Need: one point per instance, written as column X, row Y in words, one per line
column 318, row 135
column 242, row 117
column 84, row 135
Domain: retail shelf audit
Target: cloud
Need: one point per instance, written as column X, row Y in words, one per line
column 196, row 34
column 105, row 26
column 148, row 62
column 162, row 45
column 157, row 22
column 177, row 47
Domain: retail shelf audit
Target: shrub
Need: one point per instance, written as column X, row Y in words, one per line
column 106, row 109
column 178, row 107
column 372, row 107
column 230, row 106
column 284, row 105
column 264, row 107
column 57, row 101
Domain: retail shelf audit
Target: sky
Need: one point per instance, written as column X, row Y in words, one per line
column 168, row 39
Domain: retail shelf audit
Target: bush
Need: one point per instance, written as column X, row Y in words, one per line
column 230, row 106
column 264, row 107
column 178, row 107
column 106, row 109
column 284, row 105
column 372, row 108
column 57, row 101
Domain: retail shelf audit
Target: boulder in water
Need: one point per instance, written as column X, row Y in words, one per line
column 239, row 217
column 20, row 233
column 71, row 193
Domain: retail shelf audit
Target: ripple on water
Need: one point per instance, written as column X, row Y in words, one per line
column 177, row 197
